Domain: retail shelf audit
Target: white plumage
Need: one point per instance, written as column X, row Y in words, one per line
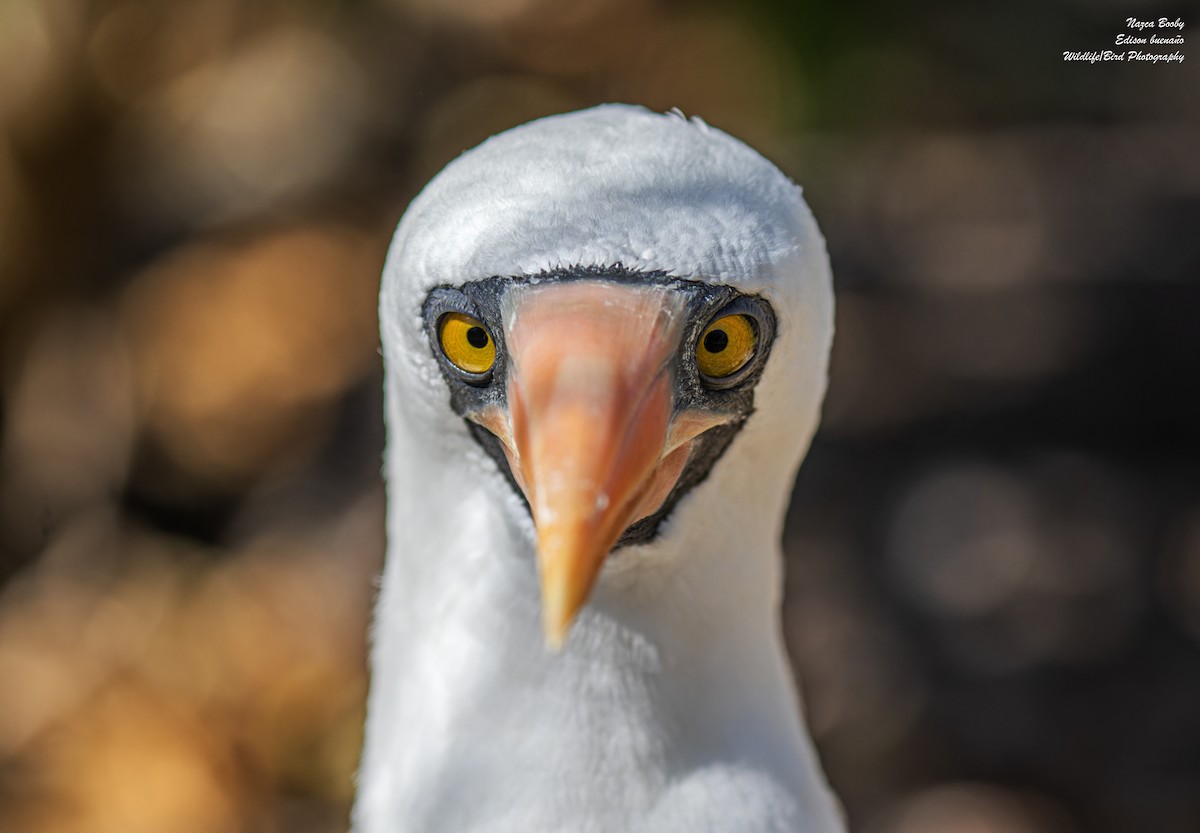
column 671, row 707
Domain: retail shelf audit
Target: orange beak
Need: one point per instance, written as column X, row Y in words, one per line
column 590, row 436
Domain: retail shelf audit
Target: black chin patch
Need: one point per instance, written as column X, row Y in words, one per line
column 482, row 300
column 706, row 450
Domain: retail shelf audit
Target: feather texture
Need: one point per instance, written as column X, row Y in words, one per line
column 672, row 708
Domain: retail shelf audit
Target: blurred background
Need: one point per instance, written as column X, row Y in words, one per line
column 994, row 549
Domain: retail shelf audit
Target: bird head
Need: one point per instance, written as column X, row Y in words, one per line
column 602, row 305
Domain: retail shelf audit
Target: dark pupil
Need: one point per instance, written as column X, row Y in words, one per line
column 477, row 337
column 716, row 341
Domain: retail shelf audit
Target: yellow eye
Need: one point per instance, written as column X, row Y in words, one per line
column 726, row 346
column 466, row 342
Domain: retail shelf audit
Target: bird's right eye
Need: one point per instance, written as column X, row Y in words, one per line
column 466, row 342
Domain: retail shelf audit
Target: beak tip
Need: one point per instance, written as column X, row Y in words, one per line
column 556, row 626
column 555, row 642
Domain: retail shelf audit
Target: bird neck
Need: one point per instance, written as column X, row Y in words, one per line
column 675, row 668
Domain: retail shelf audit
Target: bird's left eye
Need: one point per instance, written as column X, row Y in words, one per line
column 726, row 346
column 466, row 343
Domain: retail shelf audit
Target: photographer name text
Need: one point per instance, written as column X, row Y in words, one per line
column 1161, row 32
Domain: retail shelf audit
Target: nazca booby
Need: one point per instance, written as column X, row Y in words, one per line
column 606, row 338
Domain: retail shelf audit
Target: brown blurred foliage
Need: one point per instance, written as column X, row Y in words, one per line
column 994, row 551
